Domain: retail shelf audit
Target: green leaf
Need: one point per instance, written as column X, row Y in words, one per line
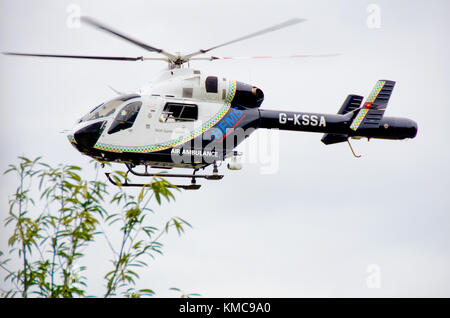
column 146, row 291
column 175, row 289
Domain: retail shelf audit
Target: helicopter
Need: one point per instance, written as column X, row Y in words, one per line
column 190, row 119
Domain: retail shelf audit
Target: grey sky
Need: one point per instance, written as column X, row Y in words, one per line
column 312, row 228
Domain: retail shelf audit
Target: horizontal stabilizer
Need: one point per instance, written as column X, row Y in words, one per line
column 373, row 108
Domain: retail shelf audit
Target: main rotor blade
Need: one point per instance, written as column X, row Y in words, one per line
column 258, row 57
column 145, row 46
column 114, row 58
column 248, row 36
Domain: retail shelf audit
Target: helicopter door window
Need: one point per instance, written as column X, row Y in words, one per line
column 126, row 117
column 175, row 112
column 211, row 84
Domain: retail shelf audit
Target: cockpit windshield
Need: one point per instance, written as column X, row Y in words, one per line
column 107, row 109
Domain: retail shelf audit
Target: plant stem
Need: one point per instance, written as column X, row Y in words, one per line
column 55, row 240
column 112, row 283
column 22, row 236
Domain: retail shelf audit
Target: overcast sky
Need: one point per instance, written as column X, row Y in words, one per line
column 312, row 228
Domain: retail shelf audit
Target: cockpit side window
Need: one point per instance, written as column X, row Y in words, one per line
column 106, row 109
column 125, row 118
column 174, row 112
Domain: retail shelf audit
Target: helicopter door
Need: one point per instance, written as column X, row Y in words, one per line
column 176, row 120
column 126, row 117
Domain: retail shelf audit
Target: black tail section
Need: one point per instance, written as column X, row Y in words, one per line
column 365, row 117
column 353, row 120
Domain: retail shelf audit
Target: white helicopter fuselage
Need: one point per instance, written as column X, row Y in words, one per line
column 178, row 106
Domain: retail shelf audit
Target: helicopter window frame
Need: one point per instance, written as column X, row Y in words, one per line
column 126, row 117
column 178, row 112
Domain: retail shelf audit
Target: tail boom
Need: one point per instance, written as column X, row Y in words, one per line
column 336, row 124
column 352, row 119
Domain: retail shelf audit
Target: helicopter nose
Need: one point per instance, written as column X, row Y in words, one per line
column 87, row 137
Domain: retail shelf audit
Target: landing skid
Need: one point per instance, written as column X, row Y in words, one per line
column 193, row 176
column 127, row 184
